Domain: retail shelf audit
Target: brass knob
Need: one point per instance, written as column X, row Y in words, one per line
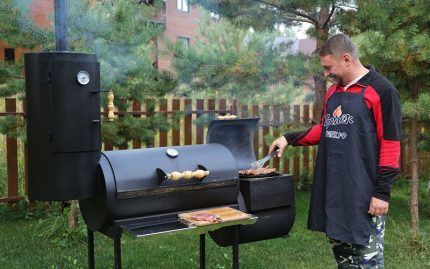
column 111, row 106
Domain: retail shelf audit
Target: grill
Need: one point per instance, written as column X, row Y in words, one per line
column 136, row 192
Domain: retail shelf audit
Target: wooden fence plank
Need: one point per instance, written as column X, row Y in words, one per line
column 276, row 118
column 305, row 150
column 266, row 122
column 286, row 119
column 12, row 155
column 255, row 113
column 296, row 159
column 199, row 128
column 222, row 105
column 24, row 109
column 176, row 132
column 162, row 138
column 106, row 146
column 244, row 111
column 188, row 128
column 150, row 107
column 136, row 107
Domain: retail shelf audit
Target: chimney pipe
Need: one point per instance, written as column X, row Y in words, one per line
column 61, row 37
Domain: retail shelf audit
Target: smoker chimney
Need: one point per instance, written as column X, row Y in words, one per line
column 61, row 37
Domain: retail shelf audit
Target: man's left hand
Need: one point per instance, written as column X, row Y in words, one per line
column 378, row 207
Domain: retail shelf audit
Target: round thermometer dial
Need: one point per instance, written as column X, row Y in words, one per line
column 83, row 77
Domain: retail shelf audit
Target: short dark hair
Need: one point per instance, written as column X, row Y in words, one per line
column 337, row 45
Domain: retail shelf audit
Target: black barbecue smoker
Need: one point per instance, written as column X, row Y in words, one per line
column 131, row 191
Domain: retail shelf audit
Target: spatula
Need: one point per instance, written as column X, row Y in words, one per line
column 261, row 162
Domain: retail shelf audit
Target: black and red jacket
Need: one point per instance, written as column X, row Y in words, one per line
column 383, row 100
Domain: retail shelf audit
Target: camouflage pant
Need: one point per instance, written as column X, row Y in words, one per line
column 364, row 257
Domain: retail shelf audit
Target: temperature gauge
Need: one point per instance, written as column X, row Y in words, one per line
column 83, row 77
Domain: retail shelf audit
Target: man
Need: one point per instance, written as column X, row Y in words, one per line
column 358, row 156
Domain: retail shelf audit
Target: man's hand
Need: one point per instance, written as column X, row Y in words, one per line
column 378, row 207
column 280, row 143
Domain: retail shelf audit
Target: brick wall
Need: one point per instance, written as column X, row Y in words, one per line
column 39, row 11
column 178, row 24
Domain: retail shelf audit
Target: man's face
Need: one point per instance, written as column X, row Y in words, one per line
column 335, row 67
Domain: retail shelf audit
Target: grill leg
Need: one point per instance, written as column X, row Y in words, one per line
column 90, row 241
column 202, row 251
column 236, row 248
column 117, row 249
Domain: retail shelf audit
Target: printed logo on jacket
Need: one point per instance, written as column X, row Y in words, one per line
column 337, row 118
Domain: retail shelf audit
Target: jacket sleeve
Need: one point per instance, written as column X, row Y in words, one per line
column 386, row 109
column 312, row 135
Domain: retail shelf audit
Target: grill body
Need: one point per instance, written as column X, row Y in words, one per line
column 131, row 183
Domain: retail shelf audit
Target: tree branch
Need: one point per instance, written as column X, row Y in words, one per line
column 298, row 19
column 278, row 7
column 333, row 8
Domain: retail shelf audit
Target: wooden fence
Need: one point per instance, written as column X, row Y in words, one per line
column 299, row 162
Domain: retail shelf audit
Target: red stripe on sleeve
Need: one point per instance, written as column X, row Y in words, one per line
column 389, row 154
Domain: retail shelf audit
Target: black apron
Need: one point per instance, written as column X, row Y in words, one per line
column 345, row 170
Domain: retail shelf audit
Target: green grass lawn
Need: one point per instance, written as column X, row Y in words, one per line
column 28, row 241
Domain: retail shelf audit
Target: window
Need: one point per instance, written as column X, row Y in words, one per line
column 9, row 55
column 215, row 16
column 184, row 40
column 183, row 5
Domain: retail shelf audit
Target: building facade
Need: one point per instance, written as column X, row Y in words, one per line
column 179, row 18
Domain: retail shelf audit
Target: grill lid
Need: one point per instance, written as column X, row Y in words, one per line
column 238, row 136
column 147, row 169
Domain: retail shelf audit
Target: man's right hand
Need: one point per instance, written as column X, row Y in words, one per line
column 280, row 143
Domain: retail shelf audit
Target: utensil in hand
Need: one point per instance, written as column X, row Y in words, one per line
column 261, row 162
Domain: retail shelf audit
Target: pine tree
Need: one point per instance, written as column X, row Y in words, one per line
column 226, row 61
column 121, row 33
column 394, row 36
column 265, row 14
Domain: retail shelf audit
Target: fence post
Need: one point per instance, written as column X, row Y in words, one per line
column 163, row 134
column 176, row 132
column 107, row 146
column 296, row 160
column 266, row 121
column 199, row 128
column 24, row 109
column 136, row 107
column 188, row 108
column 305, row 150
column 244, row 111
column 286, row 119
column 276, row 120
column 12, row 156
column 255, row 113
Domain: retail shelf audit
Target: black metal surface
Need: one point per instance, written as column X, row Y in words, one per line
column 63, row 142
column 267, row 192
column 272, row 223
column 237, row 136
column 155, row 224
column 275, row 220
column 129, row 186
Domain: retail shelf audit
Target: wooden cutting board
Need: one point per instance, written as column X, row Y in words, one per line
column 226, row 213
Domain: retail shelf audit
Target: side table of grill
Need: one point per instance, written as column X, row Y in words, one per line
column 162, row 224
